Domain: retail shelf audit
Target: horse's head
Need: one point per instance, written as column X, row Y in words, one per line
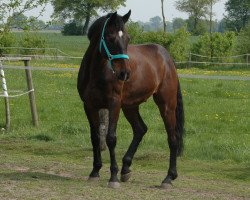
column 114, row 43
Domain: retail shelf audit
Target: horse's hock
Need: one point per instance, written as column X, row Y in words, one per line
column 30, row 91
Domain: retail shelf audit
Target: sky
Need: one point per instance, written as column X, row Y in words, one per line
column 143, row 10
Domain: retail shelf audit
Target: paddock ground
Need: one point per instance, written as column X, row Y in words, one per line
column 53, row 161
column 62, row 174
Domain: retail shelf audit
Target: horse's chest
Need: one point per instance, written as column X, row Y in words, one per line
column 99, row 93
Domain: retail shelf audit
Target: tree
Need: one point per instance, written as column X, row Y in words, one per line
column 199, row 29
column 178, row 23
column 82, row 10
column 17, row 21
column 195, row 9
column 211, row 3
column 20, row 21
column 36, row 24
column 72, row 28
column 156, row 23
column 243, row 43
column 238, row 14
column 221, row 26
column 163, row 16
column 12, row 9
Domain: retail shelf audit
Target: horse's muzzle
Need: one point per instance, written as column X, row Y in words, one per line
column 123, row 76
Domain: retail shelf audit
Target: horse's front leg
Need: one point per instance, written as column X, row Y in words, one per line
column 114, row 110
column 93, row 119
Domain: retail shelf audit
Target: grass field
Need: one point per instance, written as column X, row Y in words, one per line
column 54, row 160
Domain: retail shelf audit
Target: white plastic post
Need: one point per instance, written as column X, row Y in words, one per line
column 6, row 98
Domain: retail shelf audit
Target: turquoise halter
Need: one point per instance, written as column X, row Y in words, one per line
column 110, row 56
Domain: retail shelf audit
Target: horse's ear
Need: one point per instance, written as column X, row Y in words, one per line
column 126, row 17
column 113, row 16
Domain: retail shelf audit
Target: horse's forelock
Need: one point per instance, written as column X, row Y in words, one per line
column 96, row 27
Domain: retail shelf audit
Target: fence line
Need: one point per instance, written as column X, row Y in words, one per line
column 236, row 56
column 44, row 56
column 17, row 95
column 212, row 77
column 209, row 63
column 40, row 68
column 59, row 54
column 30, row 90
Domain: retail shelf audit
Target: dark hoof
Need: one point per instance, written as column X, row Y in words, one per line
column 93, row 179
column 125, row 177
column 114, row 185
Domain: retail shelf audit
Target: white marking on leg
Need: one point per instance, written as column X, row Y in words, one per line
column 120, row 33
column 103, row 127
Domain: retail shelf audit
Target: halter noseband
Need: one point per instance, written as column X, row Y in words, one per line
column 109, row 55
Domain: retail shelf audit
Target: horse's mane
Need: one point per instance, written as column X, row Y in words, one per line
column 97, row 26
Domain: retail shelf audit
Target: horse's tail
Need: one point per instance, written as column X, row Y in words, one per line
column 179, row 121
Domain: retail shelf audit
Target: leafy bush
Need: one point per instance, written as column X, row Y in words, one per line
column 31, row 40
column 219, row 45
column 158, row 37
column 134, row 30
column 178, row 44
column 72, row 28
column 7, row 39
column 243, row 42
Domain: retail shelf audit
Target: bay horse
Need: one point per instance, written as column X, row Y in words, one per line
column 113, row 76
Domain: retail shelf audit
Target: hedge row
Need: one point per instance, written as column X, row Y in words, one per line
column 180, row 45
column 28, row 40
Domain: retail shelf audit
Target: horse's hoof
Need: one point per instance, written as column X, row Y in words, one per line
column 114, row 185
column 167, row 185
column 125, row 177
column 93, row 179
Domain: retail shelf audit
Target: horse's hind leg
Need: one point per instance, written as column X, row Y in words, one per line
column 139, row 130
column 166, row 101
column 93, row 119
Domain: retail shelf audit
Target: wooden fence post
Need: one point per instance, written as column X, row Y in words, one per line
column 247, row 60
column 31, row 94
column 6, row 98
column 189, row 60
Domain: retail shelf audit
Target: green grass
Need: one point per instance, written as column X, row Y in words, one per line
column 217, row 112
column 72, row 45
column 58, row 154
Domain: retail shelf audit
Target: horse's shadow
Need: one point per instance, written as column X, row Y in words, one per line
column 29, row 176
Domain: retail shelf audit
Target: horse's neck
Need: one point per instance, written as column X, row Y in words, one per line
column 92, row 61
column 86, row 71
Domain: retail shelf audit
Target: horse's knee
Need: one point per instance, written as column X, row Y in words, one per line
column 127, row 160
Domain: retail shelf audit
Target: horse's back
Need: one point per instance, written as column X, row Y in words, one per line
column 153, row 56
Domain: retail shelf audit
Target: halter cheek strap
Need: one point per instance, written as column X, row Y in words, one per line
column 109, row 55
